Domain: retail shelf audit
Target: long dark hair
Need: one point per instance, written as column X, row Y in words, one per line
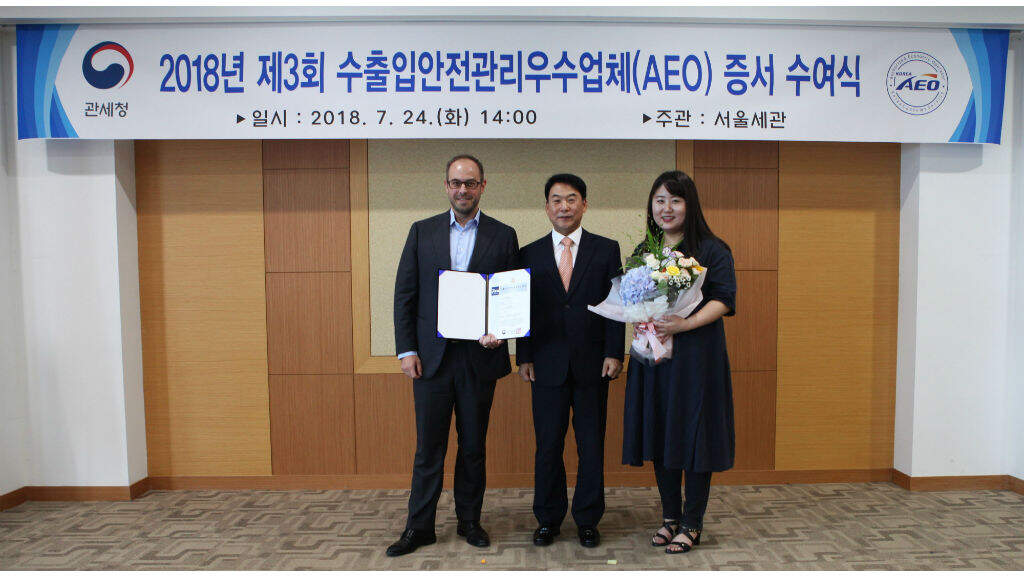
column 695, row 227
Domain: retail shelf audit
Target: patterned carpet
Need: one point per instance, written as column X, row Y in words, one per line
column 821, row 526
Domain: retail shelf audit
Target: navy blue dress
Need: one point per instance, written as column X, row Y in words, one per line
column 680, row 411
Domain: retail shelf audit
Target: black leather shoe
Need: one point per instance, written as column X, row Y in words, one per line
column 589, row 536
column 410, row 541
column 545, row 535
column 474, row 533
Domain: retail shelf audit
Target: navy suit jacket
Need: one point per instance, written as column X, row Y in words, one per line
column 564, row 335
column 426, row 251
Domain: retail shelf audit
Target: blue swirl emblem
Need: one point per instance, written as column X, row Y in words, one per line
column 917, row 83
column 112, row 75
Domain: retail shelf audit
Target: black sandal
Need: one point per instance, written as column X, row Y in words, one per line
column 683, row 547
column 659, row 539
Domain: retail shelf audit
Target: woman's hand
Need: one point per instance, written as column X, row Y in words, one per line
column 671, row 325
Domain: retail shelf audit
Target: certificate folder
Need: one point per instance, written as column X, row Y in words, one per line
column 470, row 304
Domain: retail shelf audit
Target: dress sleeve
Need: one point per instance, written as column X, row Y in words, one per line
column 720, row 282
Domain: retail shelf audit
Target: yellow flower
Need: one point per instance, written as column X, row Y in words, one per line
column 672, row 270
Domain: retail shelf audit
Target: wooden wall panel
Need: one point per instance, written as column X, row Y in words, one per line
column 684, row 156
column 385, row 416
column 831, row 408
column 312, row 424
column 385, row 422
column 201, row 279
column 510, row 438
column 735, row 154
column 752, row 334
column 309, row 322
column 838, row 275
column 307, row 220
column 742, row 206
column 738, row 183
column 284, row 154
column 754, row 413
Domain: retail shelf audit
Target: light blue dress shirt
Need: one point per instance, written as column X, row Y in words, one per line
column 462, row 239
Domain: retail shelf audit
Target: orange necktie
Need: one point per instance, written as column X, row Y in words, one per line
column 565, row 262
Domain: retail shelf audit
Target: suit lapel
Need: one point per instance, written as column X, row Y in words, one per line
column 443, row 239
column 484, row 236
column 584, row 254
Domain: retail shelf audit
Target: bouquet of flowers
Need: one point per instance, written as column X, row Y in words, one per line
column 658, row 282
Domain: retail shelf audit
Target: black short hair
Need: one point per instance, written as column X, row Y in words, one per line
column 571, row 180
column 458, row 157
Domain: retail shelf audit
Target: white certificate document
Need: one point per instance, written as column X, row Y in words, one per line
column 508, row 304
column 461, row 305
column 470, row 304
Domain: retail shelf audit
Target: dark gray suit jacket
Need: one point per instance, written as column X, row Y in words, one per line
column 427, row 250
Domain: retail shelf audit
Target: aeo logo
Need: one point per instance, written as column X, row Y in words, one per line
column 928, row 82
column 917, row 83
column 112, row 74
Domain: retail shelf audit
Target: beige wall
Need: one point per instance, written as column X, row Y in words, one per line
column 618, row 174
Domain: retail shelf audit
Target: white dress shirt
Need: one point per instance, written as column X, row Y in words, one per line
column 556, row 239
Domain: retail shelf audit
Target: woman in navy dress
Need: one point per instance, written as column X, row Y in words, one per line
column 679, row 413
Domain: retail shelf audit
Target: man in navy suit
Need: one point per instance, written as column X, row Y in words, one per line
column 569, row 358
column 449, row 375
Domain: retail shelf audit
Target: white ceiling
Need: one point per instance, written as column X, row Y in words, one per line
column 1011, row 17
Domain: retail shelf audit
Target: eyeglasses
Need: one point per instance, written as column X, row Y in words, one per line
column 470, row 184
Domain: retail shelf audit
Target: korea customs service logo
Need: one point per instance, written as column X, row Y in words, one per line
column 114, row 74
column 917, row 83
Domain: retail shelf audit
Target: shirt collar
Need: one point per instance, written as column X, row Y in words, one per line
column 453, row 222
column 575, row 235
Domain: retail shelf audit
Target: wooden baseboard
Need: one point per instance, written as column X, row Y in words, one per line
column 317, row 482
column 761, row 477
column 284, row 482
column 753, row 477
column 642, row 477
column 12, row 499
column 139, row 489
column 1015, row 484
column 78, row 493
column 74, row 494
column 946, row 483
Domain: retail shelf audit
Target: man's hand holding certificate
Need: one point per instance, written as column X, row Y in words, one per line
column 488, row 308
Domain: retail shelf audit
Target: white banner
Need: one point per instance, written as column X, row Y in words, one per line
column 511, row 80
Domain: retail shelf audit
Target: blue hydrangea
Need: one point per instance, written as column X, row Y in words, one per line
column 636, row 286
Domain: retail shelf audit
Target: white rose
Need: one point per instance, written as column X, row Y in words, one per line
column 651, row 261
